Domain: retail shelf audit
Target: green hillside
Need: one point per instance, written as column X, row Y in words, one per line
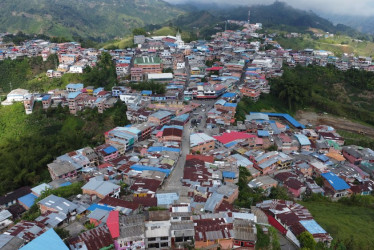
column 29, row 142
column 338, row 44
column 95, row 19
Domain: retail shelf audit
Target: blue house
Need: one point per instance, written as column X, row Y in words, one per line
column 336, row 186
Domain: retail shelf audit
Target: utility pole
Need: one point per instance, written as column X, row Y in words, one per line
column 10, row 85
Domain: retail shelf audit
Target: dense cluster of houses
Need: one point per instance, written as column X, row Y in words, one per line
column 143, row 191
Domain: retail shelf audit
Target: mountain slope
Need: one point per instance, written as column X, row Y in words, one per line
column 364, row 24
column 280, row 15
column 95, row 19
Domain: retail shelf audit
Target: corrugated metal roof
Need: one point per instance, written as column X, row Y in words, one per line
column 28, row 199
column 166, row 198
column 335, row 181
column 46, row 241
column 312, row 227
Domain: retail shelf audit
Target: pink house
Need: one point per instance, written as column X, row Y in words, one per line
column 107, row 152
column 352, row 155
column 294, row 186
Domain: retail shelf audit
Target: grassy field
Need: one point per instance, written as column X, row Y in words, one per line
column 357, row 139
column 124, row 43
column 344, row 222
column 337, row 44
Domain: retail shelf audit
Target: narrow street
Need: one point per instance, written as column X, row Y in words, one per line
column 173, row 182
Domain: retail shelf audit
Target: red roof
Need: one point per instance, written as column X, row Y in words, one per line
column 113, row 223
column 105, row 165
column 103, row 92
column 114, row 202
column 233, row 136
column 205, row 158
column 214, row 68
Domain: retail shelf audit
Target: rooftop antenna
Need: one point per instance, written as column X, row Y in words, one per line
column 249, row 16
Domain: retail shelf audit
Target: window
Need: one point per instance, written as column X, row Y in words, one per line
column 164, row 238
column 164, row 244
column 151, row 239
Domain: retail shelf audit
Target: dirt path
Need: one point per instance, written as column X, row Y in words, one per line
column 336, row 122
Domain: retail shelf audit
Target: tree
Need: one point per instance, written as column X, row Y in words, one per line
column 307, row 241
column 63, row 233
column 263, row 240
column 139, row 31
column 279, row 193
column 275, row 245
column 103, row 75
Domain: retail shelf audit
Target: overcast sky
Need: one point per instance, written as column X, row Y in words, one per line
column 350, row 7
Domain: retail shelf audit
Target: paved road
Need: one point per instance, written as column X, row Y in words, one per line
column 285, row 244
column 173, row 182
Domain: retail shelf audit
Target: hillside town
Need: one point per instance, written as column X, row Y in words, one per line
column 171, row 178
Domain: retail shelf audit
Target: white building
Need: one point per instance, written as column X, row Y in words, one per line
column 76, row 69
column 16, row 95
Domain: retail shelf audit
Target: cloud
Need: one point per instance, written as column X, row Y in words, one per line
column 345, row 7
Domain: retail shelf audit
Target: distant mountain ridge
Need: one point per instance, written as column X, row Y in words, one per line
column 363, row 24
column 95, row 19
column 279, row 14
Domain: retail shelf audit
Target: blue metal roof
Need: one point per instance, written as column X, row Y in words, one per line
column 75, row 86
column 323, row 158
column 230, row 144
column 73, row 95
column 312, row 227
column 150, row 168
column 46, row 97
column 146, row 92
column 68, row 183
column 229, row 104
column 95, row 206
column 172, row 126
column 228, row 95
column 263, row 133
column 45, row 242
column 98, row 90
column 228, row 174
column 220, row 102
column 289, row 118
column 182, row 118
column 28, row 199
column 159, row 149
column 110, row 150
column 303, row 140
column 166, row 198
column 335, row 181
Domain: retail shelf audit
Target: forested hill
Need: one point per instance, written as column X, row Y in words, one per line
column 29, row 142
column 279, row 15
column 95, row 19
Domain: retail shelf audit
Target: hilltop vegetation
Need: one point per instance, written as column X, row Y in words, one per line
column 29, row 73
column 338, row 44
column 327, row 89
column 29, row 142
column 94, row 19
column 281, row 16
column 14, row 73
column 346, row 220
